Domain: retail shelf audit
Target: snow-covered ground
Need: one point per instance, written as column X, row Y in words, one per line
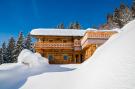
column 14, row 75
column 111, row 67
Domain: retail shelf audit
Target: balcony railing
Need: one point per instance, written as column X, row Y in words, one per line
column 43, row 45
column 96, row 35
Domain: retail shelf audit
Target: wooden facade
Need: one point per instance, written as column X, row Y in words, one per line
column 92, row 40
column 59, row 49
column 70, row 49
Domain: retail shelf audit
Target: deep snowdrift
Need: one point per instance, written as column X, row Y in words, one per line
column 111, row 67
column 14, row 75
column 31, row 59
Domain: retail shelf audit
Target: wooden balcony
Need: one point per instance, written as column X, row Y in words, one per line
column 96, row 38
column 42, row 45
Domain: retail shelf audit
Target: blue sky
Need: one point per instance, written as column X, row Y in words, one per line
column 24, row 15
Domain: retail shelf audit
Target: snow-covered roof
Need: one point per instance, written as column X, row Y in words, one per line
column 65, row 32
column 57, row 32
column 91, row 29
column 95, row 30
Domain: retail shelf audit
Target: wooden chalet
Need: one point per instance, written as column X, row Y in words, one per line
column 65, row 46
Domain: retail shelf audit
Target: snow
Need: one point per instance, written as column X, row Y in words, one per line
column 57, row 32
column 111, row 67
column 66, row 32
column 14, row 75
column 31, row 59
column 96, row 30
column 91, row 29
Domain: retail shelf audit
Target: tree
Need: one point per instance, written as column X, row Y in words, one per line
column 28, row 43
column 116, row 18
column 60, row 26
column 94, row 27
column 133, row 9
column 77, row 25
column 125, row 15
column 122, row 6
column 110, row 21
column 71, row 26
column 10, row 51
column 4, row 53
column 1, row 56
column 19, row 45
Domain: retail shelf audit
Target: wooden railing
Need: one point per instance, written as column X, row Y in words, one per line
column 97, row 35
column 95, row 38
column 53, row 45
column 105, row 35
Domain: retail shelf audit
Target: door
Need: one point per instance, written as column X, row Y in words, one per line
column 77, row 58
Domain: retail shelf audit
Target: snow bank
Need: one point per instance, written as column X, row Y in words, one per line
column 111, row 67
column 31, row 59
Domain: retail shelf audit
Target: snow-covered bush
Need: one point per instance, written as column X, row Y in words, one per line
column 31, row 59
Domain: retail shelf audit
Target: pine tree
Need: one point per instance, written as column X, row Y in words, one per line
column 74, row 25
column 121, row 16
column 10, row 51
column 110, row 21
column 128, row 15
column 109, row 18
column 133, row 9
column 71, row 26
column 116, row 18
column 77, row 25
column 94, row 27
column 4, row 53
column 1, row 56
column 19, row 45
column 122, row 6
column 60, row 26
column 125, row 15
column 28, row 43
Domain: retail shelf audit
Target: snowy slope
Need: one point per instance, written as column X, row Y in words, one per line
column 111, row 67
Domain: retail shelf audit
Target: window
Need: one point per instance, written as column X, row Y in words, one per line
column 65, row 57
column 50, row 57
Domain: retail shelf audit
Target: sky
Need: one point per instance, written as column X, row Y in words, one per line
column 24, row 15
